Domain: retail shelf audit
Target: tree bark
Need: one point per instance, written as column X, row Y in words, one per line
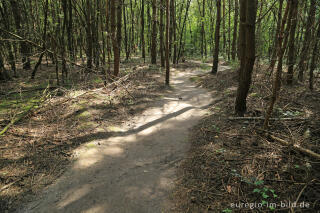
column 283, row 38
column 217, row 39
column 116, row 51
column 248, row 13
column 154, row 33
column 167, row 42
column 162, row 58
column 291, row 44
column 314, row 57
column 302, row 66
column 142, row 32
column 235, row 29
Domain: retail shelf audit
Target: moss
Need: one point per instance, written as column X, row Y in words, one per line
column 195, row 78
column 87, row 125
column 114, row 129
column 205, row 67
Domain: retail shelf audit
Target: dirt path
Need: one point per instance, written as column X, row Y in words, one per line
column 134, row 170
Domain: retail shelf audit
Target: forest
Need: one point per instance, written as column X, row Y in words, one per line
column 159, row 106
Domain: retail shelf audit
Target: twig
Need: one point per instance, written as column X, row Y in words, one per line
column 8, row 185
column 296, row 147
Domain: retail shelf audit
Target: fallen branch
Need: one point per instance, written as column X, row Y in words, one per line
column 15, row 120
column 296, row 147
column 262, row 118
column 8, row 185
column 23, row 114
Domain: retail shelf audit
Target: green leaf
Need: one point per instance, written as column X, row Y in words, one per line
column 259, row 182
column 264, row 202
column 257, row 190
column 271, row 208
column 227, row 210
column 264, row 195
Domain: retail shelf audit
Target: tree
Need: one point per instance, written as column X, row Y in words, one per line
column 248, row 13
column 217, row 39
column 235, row 29
column 116, row 49
column 315, row 56
column 283, row 39
column 306, row 43
column 167, row 42
column 291, row 50
column 154, row 33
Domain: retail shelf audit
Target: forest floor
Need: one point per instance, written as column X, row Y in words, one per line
column 120, row 148
column 124, row 142
column 234, row 166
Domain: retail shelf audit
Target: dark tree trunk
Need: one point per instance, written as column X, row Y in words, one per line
column 116, row 51
column 291, row 50
column 282, row 43
column 235, row 29
column 161, row 31
column 154, row 33
column 315, row 56
column 167, row 42
column 248, row 12
column 44, row 36
column 217, row 39
column 302, row 66
column 143, row 49
column 276, row 39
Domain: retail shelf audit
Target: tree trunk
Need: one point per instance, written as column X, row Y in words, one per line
column 217, row 39
column 154, row 33
column 302, row 66
column 44, row 36
column 248, row 13
column 142, row 32
column 314, row 57
column 283, row 38
column 116, row 51
column 167, row 42
column 291, row 51
column 235, row 29
column 162, row 58
column 276, row 39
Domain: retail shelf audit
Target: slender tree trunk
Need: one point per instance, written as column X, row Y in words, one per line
column 116, row 51
column 127, row 49
column 302, row 66
column 154, row 33
column 89, row 38
column 44, row 36
column 291, row 44
column 142, row 32
column 162, row 58
column 182, row 30
column 276, row 39
column 217, row 39
column 174, row 21
column 224, row 26
column 283, row 38
column 235, row 29
column 315, row 56
column 167, row 42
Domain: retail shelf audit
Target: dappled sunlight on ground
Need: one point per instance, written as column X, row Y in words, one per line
column 131, row 168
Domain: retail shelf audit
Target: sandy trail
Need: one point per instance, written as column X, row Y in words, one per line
column 134, row 170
